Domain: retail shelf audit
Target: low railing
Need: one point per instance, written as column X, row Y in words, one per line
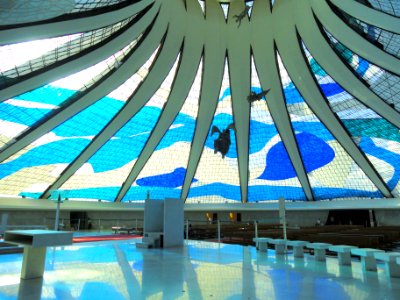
column 217, row 230
column 194, row 229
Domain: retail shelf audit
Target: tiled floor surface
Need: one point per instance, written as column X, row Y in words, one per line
column 199, row 270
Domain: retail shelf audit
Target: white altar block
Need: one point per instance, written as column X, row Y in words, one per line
column 35, row 243
column 163, row 223
column 173, row 222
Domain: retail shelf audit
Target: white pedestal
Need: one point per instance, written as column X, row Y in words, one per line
column 319, row 250
column 298, row 251
column 261, row 243
column 280, row 249
column 389, row 258
column 163, row 223
column 298, row 247
column 343, row 253
column 319, row 254
column 33, row 262
column 368, row 261
column 280, row 245
column 35, row 243
column 344, row 258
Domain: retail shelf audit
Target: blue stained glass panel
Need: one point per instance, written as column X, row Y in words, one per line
column 332, row 172
column 271, row 174
column 218, row 176
column 61, row 147
column 165, row 170
column 374, row 135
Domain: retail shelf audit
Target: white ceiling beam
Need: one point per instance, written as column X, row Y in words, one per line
column 369, row 15
column 305, row 82
column 213, row 70
column 114, row 80
column 334, row 66
column 74, row 25
column 163, row 63
column 239, row 64
column 268, row 72
column 351, row 39
column 99, row 53
column 186, row 73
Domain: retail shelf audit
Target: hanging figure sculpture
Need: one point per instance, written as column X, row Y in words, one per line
column 256, row 96
column 222, row 143
column 242, row 15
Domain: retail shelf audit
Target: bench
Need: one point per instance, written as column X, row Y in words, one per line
column 35, row 243
column 298, row 247
column 261, row 243
column 389, row 258
column 319, row 250
column 362, row 241
column 343, row 253
column 280, row 245
column 367, row 257
column 118, row 229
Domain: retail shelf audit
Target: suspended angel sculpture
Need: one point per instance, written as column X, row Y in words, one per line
column 242, row 15
column 256, row 96
column 222, row 143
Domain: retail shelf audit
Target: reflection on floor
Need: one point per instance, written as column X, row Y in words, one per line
column 199, row 270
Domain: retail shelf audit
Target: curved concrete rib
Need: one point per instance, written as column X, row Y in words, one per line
column 213, row 69
column 303, row 79
column 74, row 25
column 329, row 61
column 268, row 72
column 186, row 73
column 239, row 73
column 133, row 63
column 84, row 61
column 355, row 42
column 157, row 74
column 369, row 15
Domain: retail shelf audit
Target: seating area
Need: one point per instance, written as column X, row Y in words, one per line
column 298, row 247
column 352, row 235
column 278, row 244
column 343, row 253
column 127, row 230
column 319, row 250
column 367, row 257
column 390, row 261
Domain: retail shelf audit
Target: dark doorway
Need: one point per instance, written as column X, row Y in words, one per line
column 235, row 217
column 351, row 217
column 78, row 220
column 214, row 218
column 239, row 217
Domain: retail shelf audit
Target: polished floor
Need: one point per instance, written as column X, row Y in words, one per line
column 199, row 270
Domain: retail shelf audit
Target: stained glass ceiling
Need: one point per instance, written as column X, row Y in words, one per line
column 113, row 99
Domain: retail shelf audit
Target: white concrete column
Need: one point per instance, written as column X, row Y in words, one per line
column 33, row 262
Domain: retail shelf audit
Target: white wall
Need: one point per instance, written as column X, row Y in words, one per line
column 101, row 220
column 387, row 217
column 42, row 212
column 293, row 218
column 154, row 216
column 173, row 222
column 105, row 220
